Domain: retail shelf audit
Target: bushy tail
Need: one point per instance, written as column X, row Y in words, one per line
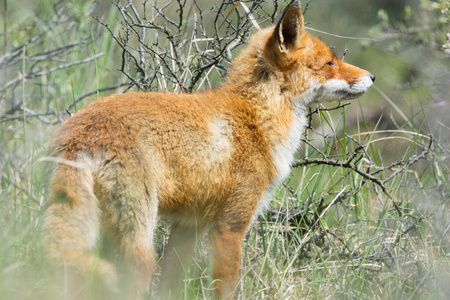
column 71, row 224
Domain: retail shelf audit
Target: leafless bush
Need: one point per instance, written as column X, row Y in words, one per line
column 178, row 47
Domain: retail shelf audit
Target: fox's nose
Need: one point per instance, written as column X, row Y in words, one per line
column 372, row 76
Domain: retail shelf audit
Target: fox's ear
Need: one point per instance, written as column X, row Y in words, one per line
column 290, row 29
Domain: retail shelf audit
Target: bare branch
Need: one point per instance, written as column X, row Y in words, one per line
column 165, row 54
column 343, row 164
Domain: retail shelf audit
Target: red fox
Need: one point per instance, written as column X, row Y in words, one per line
column 208, row 161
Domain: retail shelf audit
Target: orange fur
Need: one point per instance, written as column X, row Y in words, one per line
column 206, row 161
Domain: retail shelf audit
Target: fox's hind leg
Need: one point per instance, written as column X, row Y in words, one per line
column 71, row 224
column 129, row 206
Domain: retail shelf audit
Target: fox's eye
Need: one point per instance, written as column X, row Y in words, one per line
column 330, row 63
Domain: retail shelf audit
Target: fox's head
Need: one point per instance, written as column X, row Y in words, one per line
column 285, row 59
column 296, row 51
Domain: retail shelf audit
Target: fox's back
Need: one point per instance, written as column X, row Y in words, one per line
column 197, row 148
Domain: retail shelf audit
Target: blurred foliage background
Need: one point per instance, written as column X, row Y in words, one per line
column 55, row 58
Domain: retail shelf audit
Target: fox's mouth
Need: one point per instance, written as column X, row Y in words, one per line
column 348, row 94
column 335, row 90
column 354, row 90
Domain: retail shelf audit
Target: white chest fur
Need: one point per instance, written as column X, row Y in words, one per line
column 283, row 155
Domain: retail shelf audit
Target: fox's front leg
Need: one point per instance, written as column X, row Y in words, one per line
column 226, row 248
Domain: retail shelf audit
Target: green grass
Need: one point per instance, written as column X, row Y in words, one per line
column 365, row 246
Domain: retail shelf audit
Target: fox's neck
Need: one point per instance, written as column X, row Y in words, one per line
column 281, row 119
